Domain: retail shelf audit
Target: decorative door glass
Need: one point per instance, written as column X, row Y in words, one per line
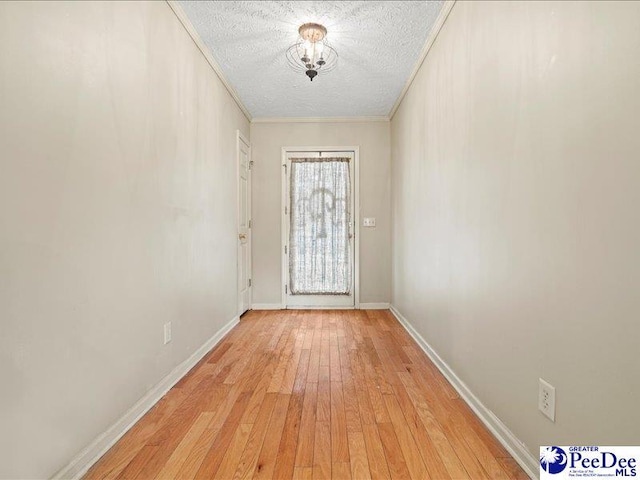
column 319, row 236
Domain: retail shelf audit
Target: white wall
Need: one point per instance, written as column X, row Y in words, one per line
column 267, row 140
column 117, row 214
column 515, row 212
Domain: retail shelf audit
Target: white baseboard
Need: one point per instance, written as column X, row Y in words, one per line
column 514, row 446
column 77, row 467
column 374, row 306
column 266, row 306
column 319, row 307
column 278, row 306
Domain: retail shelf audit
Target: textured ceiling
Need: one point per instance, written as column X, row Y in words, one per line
column 378, row 44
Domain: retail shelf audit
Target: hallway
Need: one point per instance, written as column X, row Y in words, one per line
column 311, row 394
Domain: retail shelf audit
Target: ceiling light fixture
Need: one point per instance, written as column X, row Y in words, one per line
column 312, row 54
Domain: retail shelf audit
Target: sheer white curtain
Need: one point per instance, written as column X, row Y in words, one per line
column 319, row 257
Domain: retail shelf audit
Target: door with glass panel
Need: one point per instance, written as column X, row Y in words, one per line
column 319, row 224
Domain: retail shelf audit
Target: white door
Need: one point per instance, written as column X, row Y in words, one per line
column 244, row 225
column 319, row 223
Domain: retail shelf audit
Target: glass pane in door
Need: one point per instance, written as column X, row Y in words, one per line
column 320, row 256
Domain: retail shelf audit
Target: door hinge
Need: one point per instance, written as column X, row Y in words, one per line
column 285, row 168
column 285, row 210
column 249, row 223
column 250, row 164
column 285, row 289
column 285, row 249
column 249, row 282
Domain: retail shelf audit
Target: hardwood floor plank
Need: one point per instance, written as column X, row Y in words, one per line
column 138, row 463
column 483, row 454
column 176, row 427
column 304, row 454
column 342, row 470
column 428, row 451
column 217, row 353
column 314, row 356
column 351, row 408
column 291, row 370
column 259, row 393
column 512, row 468
column 310, row 394
column 322, row 451
column 180, row 454
column 375, row 453
column 358, row 456
column 323, row 409
column 375, row 397
column 410, row 451
column 286, row 456
column 197, row 374
column 213, row 457
column 308, row 337
column 301, row 375
column 279, row 375
column 233, row 454
column 393, row 453
column 196, row 456
column 249, row 457
column 334, row 361
column 239, row 408
column 386, row 388
column 223, row 441
column 434, row 430
column 443, row 409
column 367, row 415
column 224, row 407
column 339, row 441
column 325, row 356
column 303, row 473
column 267, row 458
column 465, row 454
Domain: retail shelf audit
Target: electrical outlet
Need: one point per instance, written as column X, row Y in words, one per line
column 547, row 399
column 167, row 332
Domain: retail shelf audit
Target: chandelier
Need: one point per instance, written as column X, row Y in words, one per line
column 312, row 54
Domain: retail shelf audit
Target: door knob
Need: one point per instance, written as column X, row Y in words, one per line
column 242, row 236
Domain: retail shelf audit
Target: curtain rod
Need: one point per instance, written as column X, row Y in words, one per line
column 319, row 159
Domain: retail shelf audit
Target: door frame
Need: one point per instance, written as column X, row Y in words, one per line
column 241, row 138
column 356, row 227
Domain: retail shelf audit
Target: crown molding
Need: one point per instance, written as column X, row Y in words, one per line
column 188, row 26
column 431, row 38
column 320, row 119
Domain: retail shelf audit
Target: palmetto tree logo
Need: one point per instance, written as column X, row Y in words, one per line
column 553, row 459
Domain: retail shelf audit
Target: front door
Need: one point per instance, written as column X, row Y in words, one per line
column 319, row 241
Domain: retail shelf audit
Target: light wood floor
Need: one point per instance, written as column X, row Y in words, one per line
column 311, row 394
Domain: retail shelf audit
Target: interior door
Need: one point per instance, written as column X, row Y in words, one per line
column 319, row 237
column 244, row 225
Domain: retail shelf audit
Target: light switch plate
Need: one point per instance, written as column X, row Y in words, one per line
column 369, row 222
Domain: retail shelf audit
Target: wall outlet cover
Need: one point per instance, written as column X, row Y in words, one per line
column 547, row 399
